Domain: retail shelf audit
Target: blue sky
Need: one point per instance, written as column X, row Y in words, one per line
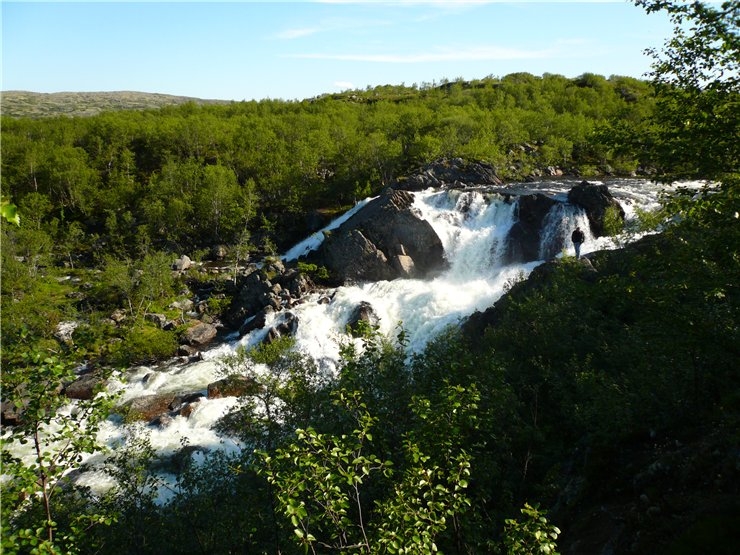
column 296, row 50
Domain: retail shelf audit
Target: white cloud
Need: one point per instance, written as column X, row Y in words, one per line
column 343, row 85
column 482, row 53
column 331, row 25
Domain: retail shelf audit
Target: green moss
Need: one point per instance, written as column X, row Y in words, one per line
column 143, row 343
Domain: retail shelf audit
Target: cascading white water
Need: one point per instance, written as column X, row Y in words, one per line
column 472, row 225
column 558, row 226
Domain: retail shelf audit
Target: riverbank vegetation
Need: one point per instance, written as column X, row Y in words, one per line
column 603, row 394
column 109, row 202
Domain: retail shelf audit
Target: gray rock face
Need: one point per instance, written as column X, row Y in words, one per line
column 454, row 172
column 385, row 240
column 200, row 334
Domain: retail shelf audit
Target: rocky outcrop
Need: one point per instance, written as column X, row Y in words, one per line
column 181, row 264
column 269, row 289
column 285, row 328
column 65, row 330
column 454, row 172
column 523, row 241
column 149, row 407
column 160, row 409
column 595, row 199
column 11, row 415
column 385, row 240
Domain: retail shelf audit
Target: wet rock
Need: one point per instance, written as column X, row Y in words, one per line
column 200, row 334
column 188, row 351
column 231, row 386
column 162, row 421
column 363, row 312
column 287, row 327
column 523, row 240
column 256, row 322
column 366, row 246
column 148, row 407
column 595, row 199
column 85, row 387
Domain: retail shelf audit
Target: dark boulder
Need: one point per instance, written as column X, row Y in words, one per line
column 595, row 199
column 10, row 415
column 85, row 387
column 256, row 322
column 285, row 328
column 385, row 240
column 188, row 351
column 363, row 312
column 524, row 238
column 295, row 282
column 255, row 292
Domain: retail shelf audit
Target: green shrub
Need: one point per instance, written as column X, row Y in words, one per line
column 143, row 343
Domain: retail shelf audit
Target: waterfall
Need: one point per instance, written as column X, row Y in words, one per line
column 557, row 228
column 473, row 226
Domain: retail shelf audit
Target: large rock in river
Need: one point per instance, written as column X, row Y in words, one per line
column 525, row 236
column 386, row 239
column 595, row 199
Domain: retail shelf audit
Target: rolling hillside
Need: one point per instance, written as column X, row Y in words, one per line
column 39, row 105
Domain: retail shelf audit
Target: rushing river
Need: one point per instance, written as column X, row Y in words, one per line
column 472, row 225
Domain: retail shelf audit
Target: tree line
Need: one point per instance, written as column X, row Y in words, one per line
column 190, row 176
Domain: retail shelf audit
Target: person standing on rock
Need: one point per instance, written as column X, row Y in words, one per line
column 578, row 238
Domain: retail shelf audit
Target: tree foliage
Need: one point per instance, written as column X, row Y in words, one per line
column 697, row 79
column 52, row 428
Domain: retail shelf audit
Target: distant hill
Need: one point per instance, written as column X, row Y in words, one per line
column 40, row 105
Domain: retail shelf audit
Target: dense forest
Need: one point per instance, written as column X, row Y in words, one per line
column 612, row 431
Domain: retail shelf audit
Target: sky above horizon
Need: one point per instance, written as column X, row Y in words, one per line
column 242, row 50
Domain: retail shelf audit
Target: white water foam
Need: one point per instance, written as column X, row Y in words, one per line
column 472, row 226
